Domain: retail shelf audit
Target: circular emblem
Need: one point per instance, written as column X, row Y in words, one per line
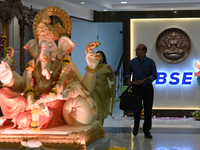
column 173, row 45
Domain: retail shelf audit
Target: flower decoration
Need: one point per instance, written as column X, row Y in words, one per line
column 3, row 38
column 117, row 148
column 197, row 74
column 142, row 114
column 35, row 120
column 196, row 113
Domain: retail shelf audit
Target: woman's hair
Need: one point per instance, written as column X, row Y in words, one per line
column 104, row 56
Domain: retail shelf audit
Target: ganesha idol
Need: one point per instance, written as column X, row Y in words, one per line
column 51, row 92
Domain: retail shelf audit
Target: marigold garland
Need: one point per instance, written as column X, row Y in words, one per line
column 67, row 60
column 4, row 38
column 117, row 148
column 35, row 120
column 29, row 89
column 35, row 111
column 35, row 123
column 35, row 130
column 54, row 92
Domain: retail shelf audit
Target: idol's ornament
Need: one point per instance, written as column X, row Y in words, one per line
column 51, row 92
column 197, row 74
column 173, row 45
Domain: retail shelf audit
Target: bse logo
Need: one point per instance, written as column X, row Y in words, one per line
column 175, row 78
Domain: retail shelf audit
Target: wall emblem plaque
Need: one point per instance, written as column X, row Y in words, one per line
column 173, row 45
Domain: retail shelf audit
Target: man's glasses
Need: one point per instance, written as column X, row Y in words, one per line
column 137, row 49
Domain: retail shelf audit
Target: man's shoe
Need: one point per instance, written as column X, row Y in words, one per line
column 148, row 135
column 135, row 132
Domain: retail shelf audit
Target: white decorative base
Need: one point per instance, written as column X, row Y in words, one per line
column 63, row 137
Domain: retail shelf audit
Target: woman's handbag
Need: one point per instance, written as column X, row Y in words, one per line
column 129, row 99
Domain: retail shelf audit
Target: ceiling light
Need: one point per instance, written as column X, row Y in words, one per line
column 82, row 3
column 172, row 9
column 123, row 2
column 105, row 10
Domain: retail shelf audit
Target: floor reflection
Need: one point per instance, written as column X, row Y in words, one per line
column 168, row 133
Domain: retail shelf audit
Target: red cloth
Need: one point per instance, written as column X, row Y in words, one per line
column 13, row 106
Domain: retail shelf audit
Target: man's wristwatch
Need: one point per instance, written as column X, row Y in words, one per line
column 144, row 79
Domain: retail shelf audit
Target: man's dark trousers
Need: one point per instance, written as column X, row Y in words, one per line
column 147, row 94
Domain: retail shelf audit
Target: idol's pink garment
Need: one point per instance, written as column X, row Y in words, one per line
column 13, row 106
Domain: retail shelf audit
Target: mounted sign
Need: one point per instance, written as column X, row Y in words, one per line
column 175, row 78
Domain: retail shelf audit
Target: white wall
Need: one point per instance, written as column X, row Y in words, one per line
column 169, row 96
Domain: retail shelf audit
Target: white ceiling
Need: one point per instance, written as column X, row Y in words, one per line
column 138, row 5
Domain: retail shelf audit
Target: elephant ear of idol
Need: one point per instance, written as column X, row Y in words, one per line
column 65, row 46
column 33, row 49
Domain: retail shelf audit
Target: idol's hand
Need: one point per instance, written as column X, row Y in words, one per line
column 92, row 59
column 67, row 93
column 6, row 75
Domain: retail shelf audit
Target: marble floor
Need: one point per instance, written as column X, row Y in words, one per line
column 168, row 133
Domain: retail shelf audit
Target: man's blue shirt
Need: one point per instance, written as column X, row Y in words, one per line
column 142, row 69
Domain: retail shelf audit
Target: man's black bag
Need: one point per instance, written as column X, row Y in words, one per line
column 129, row 99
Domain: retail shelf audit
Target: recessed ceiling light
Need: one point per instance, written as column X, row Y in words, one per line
column 82, row 3
column 123, row 2
column 172, row 9
column 105, row 10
